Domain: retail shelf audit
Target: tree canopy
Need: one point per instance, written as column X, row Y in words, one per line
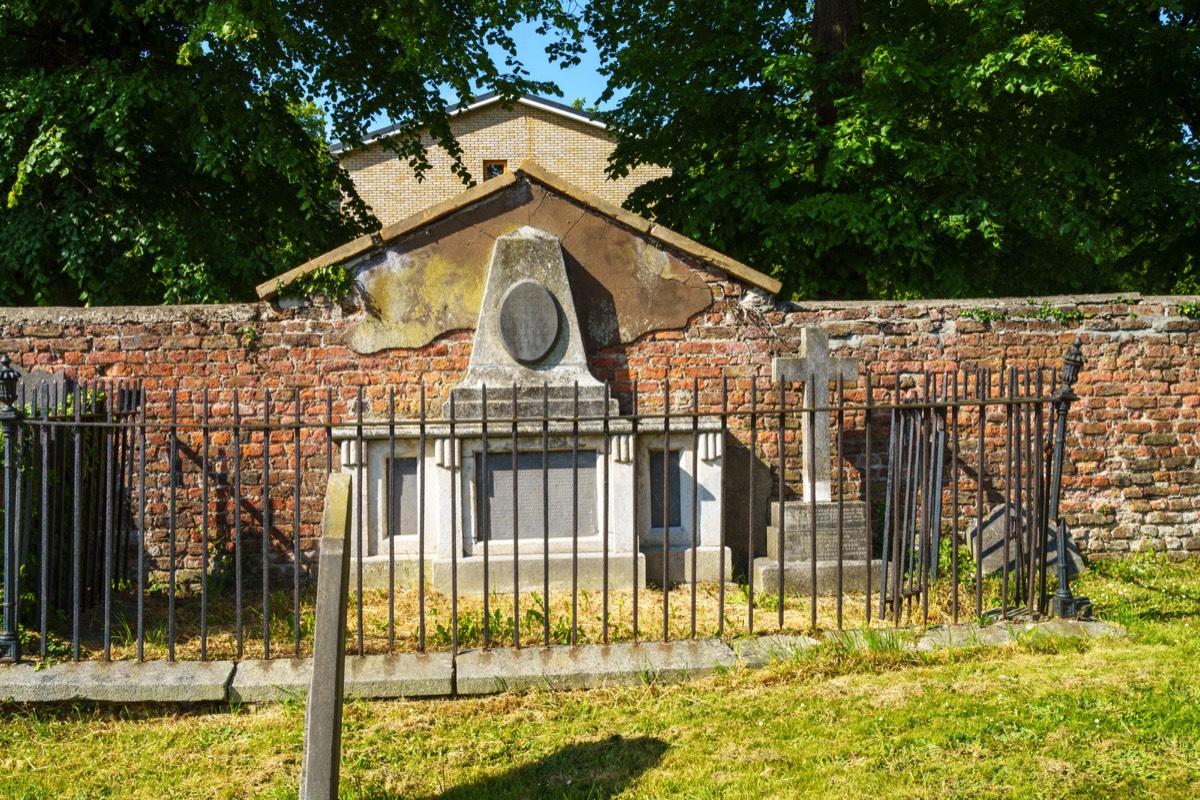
column 918, row 147
column 172, row 151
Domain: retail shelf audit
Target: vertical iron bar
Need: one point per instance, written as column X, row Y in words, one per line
column 870, row 514
column 328, row 431
column 721, row 548
column 954, row 499
column 77, row 533
column 296, row 490
column 204, row 524
column 750, row 511
column 485, row 488
column 1008, row 462
column 575, row 519
column 516, row 579
column 841, row 532
column 455, row 544
column 636, row 513
column 666, row 504
column 545, row 515
column 812, row 504
column 782, row 522
column 421, row 522
column 44, row 555
column 238, row 555
column 389, row 499
column 696, row 490
column 109, row 510
column 266, row 527
column 981, row 396
column 141, row 555
column 359, row 457
column 171, row 543
column 604, row 518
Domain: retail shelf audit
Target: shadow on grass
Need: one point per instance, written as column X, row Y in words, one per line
column 598, row 770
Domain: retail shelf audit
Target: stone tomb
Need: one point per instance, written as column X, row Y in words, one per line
column 816, row 370
column 529, row 349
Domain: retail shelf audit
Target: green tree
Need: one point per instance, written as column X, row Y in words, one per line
column 171, row 151
column 918, row 147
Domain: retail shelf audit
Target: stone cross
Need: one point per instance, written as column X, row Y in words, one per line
column 815, row 369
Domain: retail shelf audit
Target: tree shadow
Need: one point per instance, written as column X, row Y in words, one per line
column 594, row 770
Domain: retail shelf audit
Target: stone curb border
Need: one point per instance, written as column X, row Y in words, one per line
column 477, row 672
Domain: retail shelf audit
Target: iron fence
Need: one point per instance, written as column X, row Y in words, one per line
column 684, row 508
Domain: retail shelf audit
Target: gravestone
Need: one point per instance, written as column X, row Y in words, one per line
column 993, row 544
column 816, row 369
column 40, row 387
column 528, row 337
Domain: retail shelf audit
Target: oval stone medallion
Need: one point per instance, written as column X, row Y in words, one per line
column 528, row 321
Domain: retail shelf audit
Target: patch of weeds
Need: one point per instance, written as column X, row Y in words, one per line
column 984, row 316
column 1189, row 309
column 1064, row 316
column 249, row 337
column 333, row 282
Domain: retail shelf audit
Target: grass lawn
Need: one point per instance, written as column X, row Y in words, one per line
column 1058, row 718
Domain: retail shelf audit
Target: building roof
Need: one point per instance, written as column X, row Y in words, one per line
column 527, row 171
column 483, row 100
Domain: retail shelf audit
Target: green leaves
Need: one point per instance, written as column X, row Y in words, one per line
column 171, row 152
column 949, row 148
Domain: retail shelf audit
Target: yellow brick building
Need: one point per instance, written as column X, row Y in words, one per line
column 565, row 141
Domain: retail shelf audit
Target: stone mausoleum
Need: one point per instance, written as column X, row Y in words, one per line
column 545, row 276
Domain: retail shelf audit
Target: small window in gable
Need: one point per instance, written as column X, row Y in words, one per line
column 494, row 169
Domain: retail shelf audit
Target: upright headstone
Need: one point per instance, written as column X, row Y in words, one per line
column 816, row 369
column 992, row 541
column 319, row 771
column 528, row 335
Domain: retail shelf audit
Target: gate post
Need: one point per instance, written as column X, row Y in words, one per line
column 1064, row 605
column 10, row 416
column 1062, row 399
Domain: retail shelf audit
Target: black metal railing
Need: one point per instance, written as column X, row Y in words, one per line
column 681, row 509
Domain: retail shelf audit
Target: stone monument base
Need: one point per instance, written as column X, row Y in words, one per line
column 590, row 575
column 679, row 565
column 797, row 577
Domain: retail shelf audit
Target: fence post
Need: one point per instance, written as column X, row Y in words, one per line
column 1064, row 605
column 10, row 416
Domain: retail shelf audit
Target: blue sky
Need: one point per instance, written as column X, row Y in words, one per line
column 583, row 80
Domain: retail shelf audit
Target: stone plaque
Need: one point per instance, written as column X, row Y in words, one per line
column 528, row 321
column 797, row 539
column 674, row 512
column 406, row 501
column 499, row 494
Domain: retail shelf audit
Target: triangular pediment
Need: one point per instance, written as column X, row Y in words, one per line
column 424, row 276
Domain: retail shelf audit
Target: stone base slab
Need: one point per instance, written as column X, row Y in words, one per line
column 797, row 577
column 401, row 675
column 438, row 574
column 679, row 565
column 117, row 682
column 478, row 672
column 501, row 670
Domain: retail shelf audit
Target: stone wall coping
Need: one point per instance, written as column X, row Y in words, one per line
column 254, row 312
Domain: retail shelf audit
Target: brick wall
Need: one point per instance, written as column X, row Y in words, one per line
column 1134, row 480
column 572, row 149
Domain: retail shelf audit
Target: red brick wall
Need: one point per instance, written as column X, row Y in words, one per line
column 1133, row 482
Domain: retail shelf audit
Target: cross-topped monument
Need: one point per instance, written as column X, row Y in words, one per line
column 815, row 369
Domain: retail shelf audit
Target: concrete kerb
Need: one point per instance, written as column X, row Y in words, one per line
column 483, row 672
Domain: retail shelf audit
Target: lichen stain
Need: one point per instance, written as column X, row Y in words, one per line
column 412, row 298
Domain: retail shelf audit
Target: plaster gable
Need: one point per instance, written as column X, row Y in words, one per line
column 430, row 281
